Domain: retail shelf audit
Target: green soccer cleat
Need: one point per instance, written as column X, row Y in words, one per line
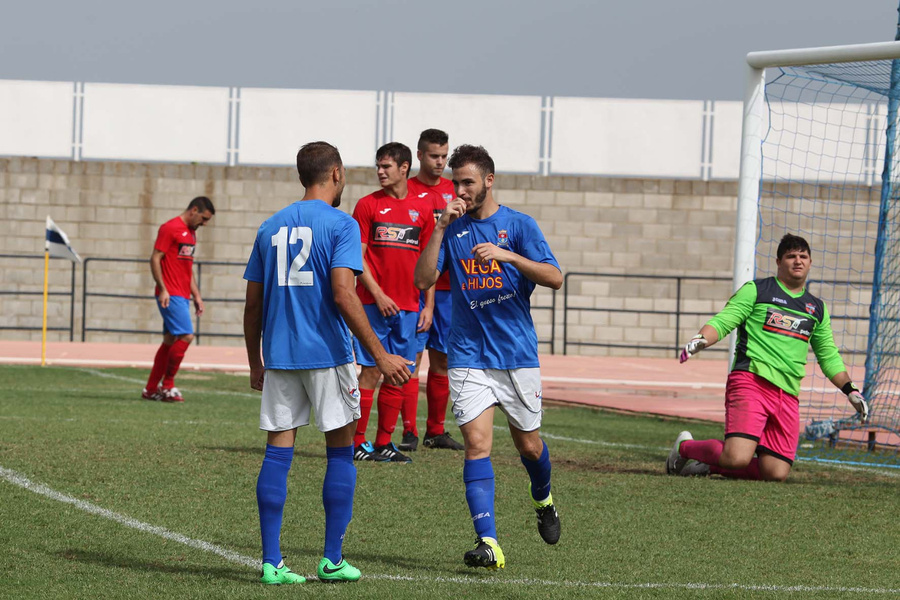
column 486, row 553
column 329, row 572
column 280, row 575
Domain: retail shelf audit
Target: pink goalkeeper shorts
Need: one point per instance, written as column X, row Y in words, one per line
column 758, row 410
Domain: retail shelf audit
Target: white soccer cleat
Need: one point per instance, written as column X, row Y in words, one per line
column 675, row 462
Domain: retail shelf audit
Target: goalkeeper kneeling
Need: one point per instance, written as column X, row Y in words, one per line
column 777, row 321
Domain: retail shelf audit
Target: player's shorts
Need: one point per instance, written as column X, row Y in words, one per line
column 518, row 392
column 288, row 395
column 177, row 317
column 756, row 409
column 396, row 333
column 436, row 337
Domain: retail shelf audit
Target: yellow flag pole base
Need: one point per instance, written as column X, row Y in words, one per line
column 44, row 328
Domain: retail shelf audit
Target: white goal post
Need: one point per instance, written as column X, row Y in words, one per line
column 752, row 134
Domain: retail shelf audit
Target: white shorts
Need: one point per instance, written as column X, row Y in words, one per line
column 287, row 397
column 517, row 391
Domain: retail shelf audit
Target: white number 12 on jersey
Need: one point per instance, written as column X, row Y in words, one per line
column 293, row 276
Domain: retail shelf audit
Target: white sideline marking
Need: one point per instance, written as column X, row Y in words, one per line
column 14, row 360
column 88, row 507
column 22, row 481
column 142, row 382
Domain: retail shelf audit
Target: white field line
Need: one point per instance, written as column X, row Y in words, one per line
column 141, row 382
column 88, row 507
column 188, row 366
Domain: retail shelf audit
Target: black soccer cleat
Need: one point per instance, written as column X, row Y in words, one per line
column 390, row 453
column 442, row 440
column 409, row 443
column 486, row 554
column 548, row 521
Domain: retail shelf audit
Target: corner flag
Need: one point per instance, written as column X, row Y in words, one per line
column 57, row 243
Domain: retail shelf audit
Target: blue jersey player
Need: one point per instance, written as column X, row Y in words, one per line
column 495, row 257
column 301, row 298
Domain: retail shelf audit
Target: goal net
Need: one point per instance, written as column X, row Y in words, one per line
column 829, row 173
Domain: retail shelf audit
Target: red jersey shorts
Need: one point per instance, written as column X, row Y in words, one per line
column 759, row 410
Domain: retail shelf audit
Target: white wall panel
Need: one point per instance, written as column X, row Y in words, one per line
column 509, row 127
column 36, row 118
column 652, row 138
column 155, row 122
column 726, row 140
column 275, row 123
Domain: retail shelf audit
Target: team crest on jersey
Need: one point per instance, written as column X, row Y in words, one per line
column 353, row 392
column 447, row 197
column 502, row 238
column 811, row 308
column 413, row 214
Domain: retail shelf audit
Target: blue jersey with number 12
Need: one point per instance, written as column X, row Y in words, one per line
column 491, row 326
column 294, row 253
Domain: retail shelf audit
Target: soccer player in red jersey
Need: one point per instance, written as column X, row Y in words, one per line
column 433, row 148
column 172, row 265
column 395, row 225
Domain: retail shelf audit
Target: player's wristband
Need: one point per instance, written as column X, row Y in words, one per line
column 849, row 388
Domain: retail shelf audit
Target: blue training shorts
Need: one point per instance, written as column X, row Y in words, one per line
column 396, row 333
column 177, row 317
column 436, row 337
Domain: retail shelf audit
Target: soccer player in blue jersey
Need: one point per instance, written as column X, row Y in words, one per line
column 301, row 298
column 495, row 256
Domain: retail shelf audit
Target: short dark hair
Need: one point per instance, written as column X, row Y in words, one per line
column 472, row 155
column 202, row 204
column 400, row 153
column 315, row 161
column 792, row 242
column 432, row 136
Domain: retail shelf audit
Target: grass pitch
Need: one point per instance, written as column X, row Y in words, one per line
column 103, row 495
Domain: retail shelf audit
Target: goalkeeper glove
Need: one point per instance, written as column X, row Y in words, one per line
column 697, row 343
column 857, row 400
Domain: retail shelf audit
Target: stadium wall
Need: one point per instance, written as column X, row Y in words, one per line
column 111, row 210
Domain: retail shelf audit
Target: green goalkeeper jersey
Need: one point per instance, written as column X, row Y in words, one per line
column 775, row 330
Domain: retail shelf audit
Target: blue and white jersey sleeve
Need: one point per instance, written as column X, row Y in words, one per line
column 530, row 242
column 254, row 270
column 347, row 250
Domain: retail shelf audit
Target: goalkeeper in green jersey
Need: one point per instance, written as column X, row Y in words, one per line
column 777, row 321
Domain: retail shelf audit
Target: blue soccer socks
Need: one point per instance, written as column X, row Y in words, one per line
column 271, row 493
column 539, row 472
column 478, row 476
column 337, row 498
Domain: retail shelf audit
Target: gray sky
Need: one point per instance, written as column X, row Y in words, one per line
column 679, row 49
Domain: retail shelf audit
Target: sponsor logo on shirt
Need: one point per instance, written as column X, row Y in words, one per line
column 423, row 194
column 459, row 235
column 787, row 324
column 396, row 235
column 779, row 300
column 384, row 211
column 481, row 276
column 186, row 250
column 502, row 239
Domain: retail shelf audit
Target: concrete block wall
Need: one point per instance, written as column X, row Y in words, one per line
column 111, row 210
